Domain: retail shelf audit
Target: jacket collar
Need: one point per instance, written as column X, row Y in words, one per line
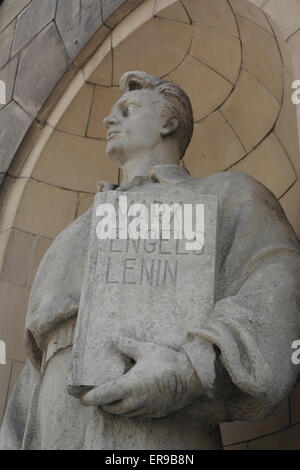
column 164, row 174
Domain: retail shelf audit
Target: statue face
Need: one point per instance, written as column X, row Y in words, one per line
column 134, row 125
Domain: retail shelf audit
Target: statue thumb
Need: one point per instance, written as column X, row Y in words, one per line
column 130, row 347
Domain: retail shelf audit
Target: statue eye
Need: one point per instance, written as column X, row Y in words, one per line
column 125, row 111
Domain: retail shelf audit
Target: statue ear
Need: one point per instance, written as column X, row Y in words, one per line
column 169, row 127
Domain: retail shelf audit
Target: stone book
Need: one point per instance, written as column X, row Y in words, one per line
column 152, row 290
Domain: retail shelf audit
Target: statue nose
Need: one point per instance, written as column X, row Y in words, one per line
column 110, row 120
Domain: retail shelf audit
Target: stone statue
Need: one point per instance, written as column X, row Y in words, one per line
column 235, row 363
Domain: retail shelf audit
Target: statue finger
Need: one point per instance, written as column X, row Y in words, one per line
column 130, row 347
column 106, row 394
column 141, row 412
column 122, row 407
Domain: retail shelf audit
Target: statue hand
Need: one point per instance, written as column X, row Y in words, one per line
column 161, row 381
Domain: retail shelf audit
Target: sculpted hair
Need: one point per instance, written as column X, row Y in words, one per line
column 177, row 102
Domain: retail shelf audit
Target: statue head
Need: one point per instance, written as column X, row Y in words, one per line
column 152, row 115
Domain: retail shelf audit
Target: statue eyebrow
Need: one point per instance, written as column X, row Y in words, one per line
column 127, row 102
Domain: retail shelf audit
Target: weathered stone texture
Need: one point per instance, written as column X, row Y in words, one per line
column 6, row 38
column 77, row 21
column 14, row 123
column 113, row 11
column 9, row 10
column 17, row 257
column 32, row 20
column 109, row 7
column 5, row 371
column 285, row 13
column 14, row 300
column 8, row 75
column 37, row 76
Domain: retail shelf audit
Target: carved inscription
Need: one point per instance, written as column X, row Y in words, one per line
column 156, row 265
column 149, row 289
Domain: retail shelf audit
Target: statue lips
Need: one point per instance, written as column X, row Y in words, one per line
column 112, row 134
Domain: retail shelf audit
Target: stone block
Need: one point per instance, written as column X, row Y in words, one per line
column 269, row 164
column 14, row 300
column 75, row 163
column 45, row 210
column 206, row 88
column 251, row 110
column 75, row 118
column 5, row 371
column 14, row 123
column 42, row 245
column 109, row 7
column 85, row 202
column 261, row 57
column 258, row 3
column 4, row 238
column 170, row 38
column 291, row 205
column 136, row 19
column 24, row 150
column 9, row 10
column 286, row 14
column 56, row 99
column 215, row 13
column 218, row 50
column 104, row 99
column 283, row 46
column 175, row 11
column 18, row 255
column 214, row 147
column 91, row 46
column 8, row 75
column 286, row 125
column 113, row 11
column 160, row 5
column 6, row 38
column 77, row 21
column 102, row 75
column 11, row 191
column 294, row 48
column 36, row 74
column 31, row 21
column 244, row 9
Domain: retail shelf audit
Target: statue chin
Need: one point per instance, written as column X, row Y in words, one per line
column 115, row 152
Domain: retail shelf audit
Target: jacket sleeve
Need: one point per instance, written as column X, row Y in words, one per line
column 16, row 416
column 242, row 352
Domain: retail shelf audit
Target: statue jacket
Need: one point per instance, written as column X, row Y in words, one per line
column 242, row 354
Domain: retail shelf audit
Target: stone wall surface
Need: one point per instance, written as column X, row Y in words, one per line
column 229, row 57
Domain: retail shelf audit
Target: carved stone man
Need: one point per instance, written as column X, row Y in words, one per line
column 235, row 366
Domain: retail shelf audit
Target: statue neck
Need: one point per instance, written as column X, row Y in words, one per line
column 141, row 165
